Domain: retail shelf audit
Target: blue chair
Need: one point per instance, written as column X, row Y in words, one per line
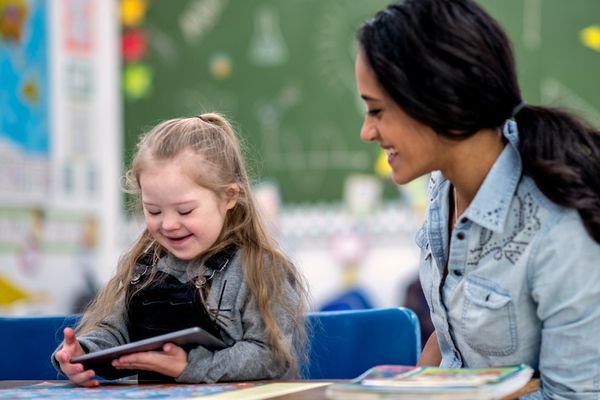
column 344, row 344
column 26, row 344
column 352, row 299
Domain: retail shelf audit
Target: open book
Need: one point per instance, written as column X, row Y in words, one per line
column 409, row 382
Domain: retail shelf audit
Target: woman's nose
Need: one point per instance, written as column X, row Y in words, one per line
column 368, row 132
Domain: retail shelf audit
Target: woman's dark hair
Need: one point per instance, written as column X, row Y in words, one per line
column 449, row 65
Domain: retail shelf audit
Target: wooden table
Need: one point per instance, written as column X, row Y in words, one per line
column 310, row 394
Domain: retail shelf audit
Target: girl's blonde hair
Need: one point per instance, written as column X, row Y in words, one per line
column 218, row 165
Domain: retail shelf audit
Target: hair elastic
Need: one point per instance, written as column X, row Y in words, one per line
column 518, row 108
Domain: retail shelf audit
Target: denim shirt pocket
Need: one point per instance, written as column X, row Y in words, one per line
column 488, row 318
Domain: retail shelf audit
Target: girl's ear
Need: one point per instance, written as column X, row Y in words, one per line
column 232, row 193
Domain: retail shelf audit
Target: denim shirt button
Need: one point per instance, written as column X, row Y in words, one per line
column 460, row 235
column 457, row 272
column 464, row 220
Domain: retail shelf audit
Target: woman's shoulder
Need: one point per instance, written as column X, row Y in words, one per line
column 530, row 198
column 561, row 229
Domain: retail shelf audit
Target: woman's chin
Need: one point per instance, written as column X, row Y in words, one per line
column 400, row 179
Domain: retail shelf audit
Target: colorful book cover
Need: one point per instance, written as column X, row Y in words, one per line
column 435, row 377
column 410, row 382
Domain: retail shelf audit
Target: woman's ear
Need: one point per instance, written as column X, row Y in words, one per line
column 232, row 193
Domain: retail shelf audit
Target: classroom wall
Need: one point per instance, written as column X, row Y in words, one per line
column 285, row 76
column 81, row 79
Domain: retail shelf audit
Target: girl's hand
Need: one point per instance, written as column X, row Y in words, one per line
column 74, row 372
column 171, row 361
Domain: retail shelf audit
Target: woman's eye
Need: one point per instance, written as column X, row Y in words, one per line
column 374, row 112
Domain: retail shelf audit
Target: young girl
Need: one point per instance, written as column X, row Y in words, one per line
column 205, row 259
column 511, row 239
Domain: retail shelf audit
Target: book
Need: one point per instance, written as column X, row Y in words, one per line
column 409, row 382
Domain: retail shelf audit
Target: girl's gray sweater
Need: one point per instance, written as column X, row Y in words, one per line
column 249, row 358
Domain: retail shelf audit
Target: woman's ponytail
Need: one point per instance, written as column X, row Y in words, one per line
column 562, row 154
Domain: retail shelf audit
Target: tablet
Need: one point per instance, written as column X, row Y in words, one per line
column 100, row 361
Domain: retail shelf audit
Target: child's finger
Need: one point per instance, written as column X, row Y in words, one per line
column 69, row 335
column 85, row 378
column 63, row 356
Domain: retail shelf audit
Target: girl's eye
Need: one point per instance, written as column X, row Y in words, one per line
column 185, row 212
column 153, row 212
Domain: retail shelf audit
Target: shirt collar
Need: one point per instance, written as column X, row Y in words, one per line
column 490, row 206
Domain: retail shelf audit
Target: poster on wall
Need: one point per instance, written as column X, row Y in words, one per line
column 47, row 260
column 49, row 244
column 24, row 126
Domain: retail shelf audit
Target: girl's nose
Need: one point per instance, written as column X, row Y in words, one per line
column 170, row 222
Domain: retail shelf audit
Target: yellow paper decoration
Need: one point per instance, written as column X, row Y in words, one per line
column 133, row 12
column 9, row 293
column 590, row 37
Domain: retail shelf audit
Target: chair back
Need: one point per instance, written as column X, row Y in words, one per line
column 344, row 344
column 26, row 344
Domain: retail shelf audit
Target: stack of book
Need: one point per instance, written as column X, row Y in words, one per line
column 409, row 382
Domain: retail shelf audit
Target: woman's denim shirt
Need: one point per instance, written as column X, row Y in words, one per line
column 523, row 282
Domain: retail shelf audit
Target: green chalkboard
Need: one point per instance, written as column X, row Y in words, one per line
column 283, row 72
column 557, row 44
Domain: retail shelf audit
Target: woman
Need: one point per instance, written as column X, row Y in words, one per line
column 511, row 239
